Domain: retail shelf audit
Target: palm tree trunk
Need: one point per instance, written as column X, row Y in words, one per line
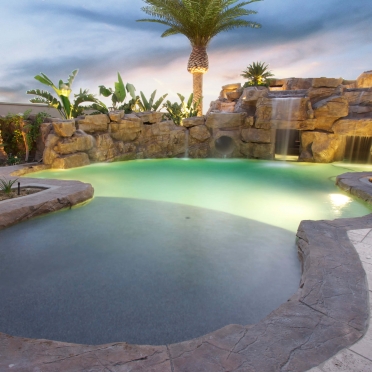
column 198, row 65
column 197, row 80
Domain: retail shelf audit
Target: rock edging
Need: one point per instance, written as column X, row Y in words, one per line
column 58, row 195
column 356, row 184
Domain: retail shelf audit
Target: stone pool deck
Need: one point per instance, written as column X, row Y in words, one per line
column 317, row 328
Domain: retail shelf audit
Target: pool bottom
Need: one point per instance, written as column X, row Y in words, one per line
column 143, row 272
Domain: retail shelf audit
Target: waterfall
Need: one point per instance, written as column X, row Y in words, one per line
column 186, row 144
column 285, row 110
column 355, row 108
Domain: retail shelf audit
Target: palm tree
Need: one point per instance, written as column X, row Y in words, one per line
column 199, row 21
column 257, row 74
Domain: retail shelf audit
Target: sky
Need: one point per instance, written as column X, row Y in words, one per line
column 298, row 38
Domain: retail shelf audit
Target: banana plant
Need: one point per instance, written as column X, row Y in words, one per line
column 65, row 107
column 149, row 105
column 118, row 94
column 179, row 111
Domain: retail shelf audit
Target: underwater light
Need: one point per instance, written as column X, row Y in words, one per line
column 339, row 200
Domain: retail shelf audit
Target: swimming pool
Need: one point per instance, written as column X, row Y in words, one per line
column 168, row 250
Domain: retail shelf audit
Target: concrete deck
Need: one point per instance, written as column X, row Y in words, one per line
column 322, row 320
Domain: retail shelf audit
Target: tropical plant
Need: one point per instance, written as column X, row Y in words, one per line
column 149, row 104
column 257, row 74
column 65, row 107
column 118, row 94
column 179, row 111
column 6, row 185
column 199, row 21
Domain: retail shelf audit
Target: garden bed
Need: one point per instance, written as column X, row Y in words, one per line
column 28, row 190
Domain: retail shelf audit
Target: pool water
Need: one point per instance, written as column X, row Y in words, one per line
column 167, row 250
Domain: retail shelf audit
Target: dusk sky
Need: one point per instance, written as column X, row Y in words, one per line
column 298, row 38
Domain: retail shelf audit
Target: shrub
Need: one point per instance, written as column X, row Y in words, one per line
column 20, row 133
column 178, row 111
column 6, row 185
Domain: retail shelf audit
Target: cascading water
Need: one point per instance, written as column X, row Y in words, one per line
column 284, row 110
column 358, row 148
column 186, row 144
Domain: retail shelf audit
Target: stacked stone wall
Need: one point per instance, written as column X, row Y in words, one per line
column 112, row 137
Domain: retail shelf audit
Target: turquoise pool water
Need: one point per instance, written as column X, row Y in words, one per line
column 277, row 193
column 167, row 250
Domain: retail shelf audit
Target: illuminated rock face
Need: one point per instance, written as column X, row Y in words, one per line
column 241, row 123
column 364, row 80
column 324, row 111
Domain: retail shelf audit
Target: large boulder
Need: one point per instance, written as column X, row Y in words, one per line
column 126, row 151
column 132, row 117
column 164, row 139
column 318, row 94
column 199, row 133
column 326, row 82
column 150, row 116
column 45, row 129
column 78, row 159
column 93, row 123
column 49, row 154
column 248, row 100
column 221, row 106
column 321, row 147
column 225, row 120
column 233, row 96
column 257, row 150
column 116, row 115
column 193, row 121
column 256, row 135
column 329, row 110
column 359, row 97
column 104, row 148
column 364, row 80
column 80, row 141
column 229, row 88
column 297, row 83
column 353, row 127
column 126, row 130
column 199, row 151
column 64, row 128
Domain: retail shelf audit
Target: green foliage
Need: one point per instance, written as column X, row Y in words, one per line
column 149, row 104
column 13, row 160
column 257, row 74
column 118, row 95
column 179, row 111
column 65, row 107
column 20, row 133
column 6, row 185
column 199, row 21
column 32, row 128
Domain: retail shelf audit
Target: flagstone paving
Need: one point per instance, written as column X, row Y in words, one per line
column 358, row 357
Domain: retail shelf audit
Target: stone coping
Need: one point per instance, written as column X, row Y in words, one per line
column 57, row 195
column 329, row 312
column 357, row 184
